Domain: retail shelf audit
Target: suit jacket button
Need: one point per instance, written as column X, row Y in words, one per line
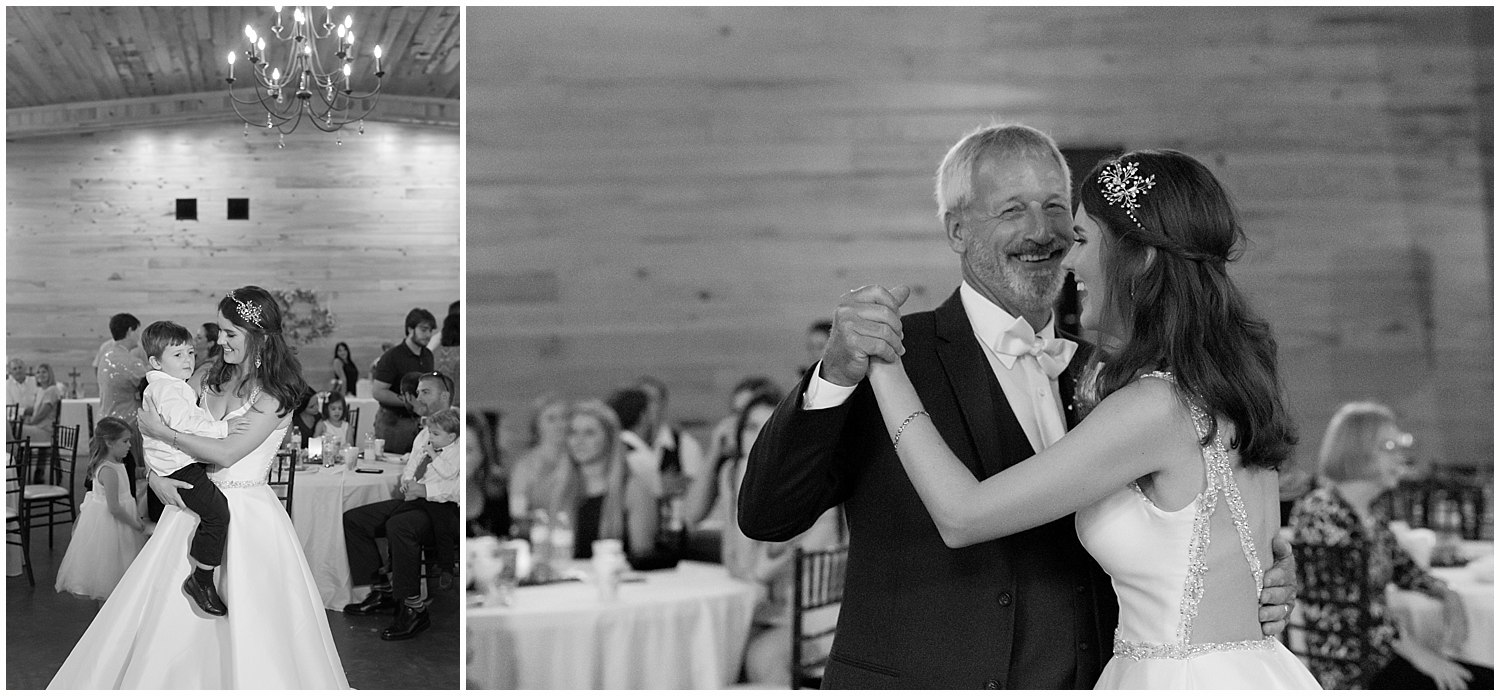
column 1004, row 600
column 992, row 683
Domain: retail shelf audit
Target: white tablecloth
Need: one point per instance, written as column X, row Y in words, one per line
column 1422, row 616
column 318, row 503
column 683, row 628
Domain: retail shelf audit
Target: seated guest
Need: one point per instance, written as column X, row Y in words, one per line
column 20, row 388
column 768, row 564
column 542, row 473
column 426, row 516
column 45, row 405
column 640, row 486
column 43, row 408
column 679, row 458
column 1363, row 455
column 485, row 498
column 333, row 420
column 593, row 457
column 703, row 503
column 305, row 420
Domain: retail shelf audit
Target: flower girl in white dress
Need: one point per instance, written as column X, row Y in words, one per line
column 109, row 532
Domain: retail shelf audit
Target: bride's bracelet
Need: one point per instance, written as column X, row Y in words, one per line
column 895, row 441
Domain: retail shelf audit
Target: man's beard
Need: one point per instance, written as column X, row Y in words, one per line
column 1029, row 291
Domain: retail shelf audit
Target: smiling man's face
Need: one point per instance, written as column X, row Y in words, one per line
column 1014, row 234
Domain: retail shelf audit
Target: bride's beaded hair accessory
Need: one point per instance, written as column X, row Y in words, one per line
column 249, row 311
column 1122, row 183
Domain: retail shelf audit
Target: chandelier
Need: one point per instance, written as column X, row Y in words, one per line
column 313, row 80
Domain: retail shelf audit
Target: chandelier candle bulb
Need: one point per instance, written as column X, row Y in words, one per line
column 231, row 66
column 377, row 59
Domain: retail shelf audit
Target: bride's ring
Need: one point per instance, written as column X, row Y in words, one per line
column 1288, row 611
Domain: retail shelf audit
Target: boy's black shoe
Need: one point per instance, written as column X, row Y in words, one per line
column 205, row 595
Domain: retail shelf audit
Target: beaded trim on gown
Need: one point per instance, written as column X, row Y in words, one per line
column 149, row 635
column 1163, row 566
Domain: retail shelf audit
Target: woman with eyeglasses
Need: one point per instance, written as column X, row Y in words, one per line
column 1365, row 454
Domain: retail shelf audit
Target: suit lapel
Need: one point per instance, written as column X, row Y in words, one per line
column 991, row 423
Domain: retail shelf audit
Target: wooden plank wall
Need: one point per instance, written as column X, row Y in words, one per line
column 372, row 225
column 679, row 191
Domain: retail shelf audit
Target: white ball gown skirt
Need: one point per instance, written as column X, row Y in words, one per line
column 149, row 635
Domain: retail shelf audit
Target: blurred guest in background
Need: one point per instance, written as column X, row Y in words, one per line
column 817, row 337
column 679, row 458
column 40, row 415
column 1364, row 454
column 394, row 422
column 542, row 474
column 43, row 407
column 595, row 461
column 704, row 506
column 485, row 498
column 446, row 357
column 305, row 421
column 20, row 388
column 643, row 485
column 345, row 372
column 206, row 347
column 334, row 419
column 768, row 564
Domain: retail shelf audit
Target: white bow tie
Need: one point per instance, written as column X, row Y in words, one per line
column 1053, row 354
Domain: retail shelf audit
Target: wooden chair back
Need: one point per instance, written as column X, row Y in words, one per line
column 819, row 585
column 282, row 476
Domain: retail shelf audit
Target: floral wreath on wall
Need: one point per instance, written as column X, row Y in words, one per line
column 304, row 319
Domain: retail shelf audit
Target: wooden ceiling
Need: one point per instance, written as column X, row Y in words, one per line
column 69, row 55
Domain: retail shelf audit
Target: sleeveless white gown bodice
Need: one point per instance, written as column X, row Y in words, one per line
column 149, row 635
column 1162, row 564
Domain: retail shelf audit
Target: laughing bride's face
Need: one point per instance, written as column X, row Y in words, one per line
column 232, row 340
column 1083, row 260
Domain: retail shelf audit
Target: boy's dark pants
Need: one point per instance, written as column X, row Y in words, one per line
column 205, row 499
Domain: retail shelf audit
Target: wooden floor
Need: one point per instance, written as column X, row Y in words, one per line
column 42, row 625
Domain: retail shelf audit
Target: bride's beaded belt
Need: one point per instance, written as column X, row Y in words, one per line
column 1132, row 650
column 239, row 484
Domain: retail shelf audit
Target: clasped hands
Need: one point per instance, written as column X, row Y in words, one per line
column 866, row 325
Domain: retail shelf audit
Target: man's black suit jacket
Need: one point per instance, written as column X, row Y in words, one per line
column 1031, row 610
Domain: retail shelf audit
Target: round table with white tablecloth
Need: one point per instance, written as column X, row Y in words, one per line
column 319, row 499
column 1474, row 582
column 683, row 628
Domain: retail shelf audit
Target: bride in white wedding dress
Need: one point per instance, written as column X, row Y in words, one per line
column 1173, row 474
column 149, row 634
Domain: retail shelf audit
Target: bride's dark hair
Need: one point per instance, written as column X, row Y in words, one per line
column 1166, row 282
column 267, row 360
